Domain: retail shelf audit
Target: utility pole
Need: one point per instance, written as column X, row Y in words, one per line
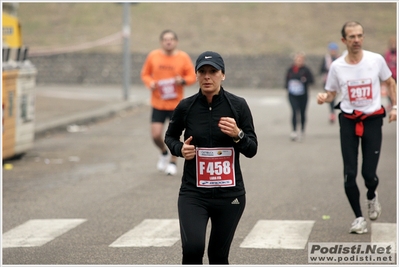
column 126, row 50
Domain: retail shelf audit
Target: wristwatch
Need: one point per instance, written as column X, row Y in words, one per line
column 240, row 136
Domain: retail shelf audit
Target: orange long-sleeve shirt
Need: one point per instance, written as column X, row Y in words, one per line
column 159, row 67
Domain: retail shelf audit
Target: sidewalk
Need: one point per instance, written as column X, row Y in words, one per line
column 59, row 106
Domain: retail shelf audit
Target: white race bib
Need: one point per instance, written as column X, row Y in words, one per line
column 360, row 92
column 167, row 88
column 295, row 87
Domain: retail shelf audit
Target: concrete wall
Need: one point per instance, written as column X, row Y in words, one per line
column 264, row 71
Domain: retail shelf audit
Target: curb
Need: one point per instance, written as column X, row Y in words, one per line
column 84, row 118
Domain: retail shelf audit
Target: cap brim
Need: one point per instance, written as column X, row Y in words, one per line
column 213, row 64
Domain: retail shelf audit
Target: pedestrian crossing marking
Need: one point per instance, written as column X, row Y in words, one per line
column 272, row 101
column 151, row 233
column 35, row 233
column 266, row 234
column 384, row 233
column 277, row 234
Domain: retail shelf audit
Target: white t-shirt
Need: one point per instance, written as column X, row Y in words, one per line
column 359, row 84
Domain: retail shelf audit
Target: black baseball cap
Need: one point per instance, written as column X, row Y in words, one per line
column 210, row 58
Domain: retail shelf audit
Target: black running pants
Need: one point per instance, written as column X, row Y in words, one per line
column 370, row 144
column 194, row 214
column 298, row 106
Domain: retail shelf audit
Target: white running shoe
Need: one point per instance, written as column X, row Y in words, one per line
column 374, row 207
column 163, row 162
column 359, row 226
column 300, row 136
column 171, row 169
column 293, row 136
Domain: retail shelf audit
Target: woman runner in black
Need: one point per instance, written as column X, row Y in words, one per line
column 297, row 80
column 217, row 127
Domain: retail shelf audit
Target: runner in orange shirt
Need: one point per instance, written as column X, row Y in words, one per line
column 165, row 73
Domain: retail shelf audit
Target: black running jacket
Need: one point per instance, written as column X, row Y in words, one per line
column 198, row 119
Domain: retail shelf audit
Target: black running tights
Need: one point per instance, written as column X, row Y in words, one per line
column 371, row 147
column 298, row 107
column 194, row 214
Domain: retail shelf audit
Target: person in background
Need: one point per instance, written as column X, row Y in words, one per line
column 324, row 68
column 390, row 58
column 357, row 76
column 165, row 73
column 217, row 127
column 297, row 81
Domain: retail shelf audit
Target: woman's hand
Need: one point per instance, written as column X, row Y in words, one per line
column 229, row 126
column 188, row 151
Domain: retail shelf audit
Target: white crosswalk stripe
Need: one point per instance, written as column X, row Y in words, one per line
column 151, row 233
column 266, row 234
column 276, row 234
column 34, row 233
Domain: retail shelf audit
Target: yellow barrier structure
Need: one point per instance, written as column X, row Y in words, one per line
column 18, row 110
column 9, row 85
column 18, row 84
column 12, row 37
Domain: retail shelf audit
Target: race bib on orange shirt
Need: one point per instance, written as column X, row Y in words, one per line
column 360, row 92
column 215, row 167
column 167, row 88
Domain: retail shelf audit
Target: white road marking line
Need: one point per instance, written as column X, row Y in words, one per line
column 265, row 101
column 70, row 95
column 34, row 233
column 94, row 96
column 271, row 101
column 384, row 233
column 276, row 234
column 266, row 234
column 151, row 233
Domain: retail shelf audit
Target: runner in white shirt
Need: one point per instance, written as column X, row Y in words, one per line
column 357, row 76
column 359, row 84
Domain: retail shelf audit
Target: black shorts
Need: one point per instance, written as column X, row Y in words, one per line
column 160, row 115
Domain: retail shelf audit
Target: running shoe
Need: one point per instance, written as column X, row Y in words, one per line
column 332, row 118
column 171, row 169
column 359, row 226
column 163, row 162
column 293, row 136
column 300, row 137
column 374, row 207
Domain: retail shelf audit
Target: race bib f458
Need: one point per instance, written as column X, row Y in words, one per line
column 215, row 167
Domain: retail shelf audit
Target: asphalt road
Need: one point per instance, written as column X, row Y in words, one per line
column 104, row 175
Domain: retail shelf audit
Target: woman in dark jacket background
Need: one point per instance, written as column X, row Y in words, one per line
column 297, row 80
